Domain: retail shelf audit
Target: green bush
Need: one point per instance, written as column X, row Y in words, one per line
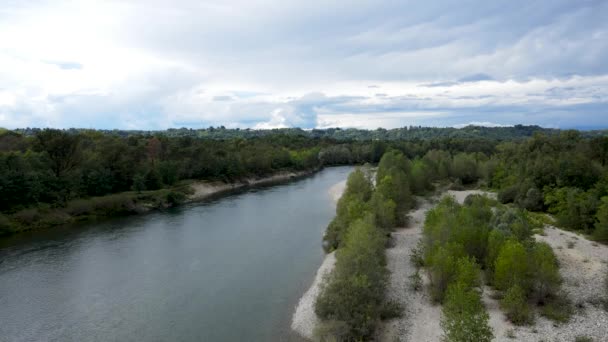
column 496, row 239
column 558, row 308
column 545, row 272
column 516, row 307
column 442, row 267
column 511, row 266
column 464, row 317
column 601, row 225
column 175, row 198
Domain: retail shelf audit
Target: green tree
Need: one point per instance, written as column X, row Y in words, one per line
column 464, row 318
column 601, row 225
column 545, row 273
column 511, row 266
column 515, row 306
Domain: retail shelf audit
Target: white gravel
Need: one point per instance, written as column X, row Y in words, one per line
column 304, row 320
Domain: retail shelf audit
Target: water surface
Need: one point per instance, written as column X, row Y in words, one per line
column 228, row 270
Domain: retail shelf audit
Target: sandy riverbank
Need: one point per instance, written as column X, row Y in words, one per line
column 204, row 190
column 304, row 320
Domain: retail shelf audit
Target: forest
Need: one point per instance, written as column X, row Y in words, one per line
column 50, row 177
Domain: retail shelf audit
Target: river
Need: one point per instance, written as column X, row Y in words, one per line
column 231, row 269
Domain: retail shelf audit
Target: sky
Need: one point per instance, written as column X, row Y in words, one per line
column 152, row 64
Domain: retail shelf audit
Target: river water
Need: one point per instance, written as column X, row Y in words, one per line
column 228, row 270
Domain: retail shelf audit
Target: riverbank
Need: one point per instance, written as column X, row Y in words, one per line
column 304, row 320
column 202, row 190
column 101, row 208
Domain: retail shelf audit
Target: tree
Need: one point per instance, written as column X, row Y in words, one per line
column 464, row 317
column 139, row 183
column 62, row 149
column 601, row 225
column 511, row 266
column 545, row 276
column 515, row 306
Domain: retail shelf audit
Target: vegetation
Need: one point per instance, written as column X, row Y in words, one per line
column 352, row 299
column 564, row 174
column 458, row 239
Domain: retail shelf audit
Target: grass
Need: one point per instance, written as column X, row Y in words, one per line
column 582, row 338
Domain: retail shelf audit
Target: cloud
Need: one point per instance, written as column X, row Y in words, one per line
column 158, row 64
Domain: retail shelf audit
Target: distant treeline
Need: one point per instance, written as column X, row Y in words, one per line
column 404, row 133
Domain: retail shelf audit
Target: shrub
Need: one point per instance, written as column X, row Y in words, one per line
column 415, row 281
column 27, row 216
column 511, row 266
column 507, row 195
column 331, row 331
column 545, row 276
column 384, row 210
column 559, row 308
column 79, row 207
column 175, row 198
column 515, row 306
column 496, row 239
column 5, row 225
column 464, row 317
column 442, row 269
column 601, row 225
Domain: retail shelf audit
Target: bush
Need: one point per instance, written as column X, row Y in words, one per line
column 601, row 225
column 511, row 267
column 516, row 307
column 545, row 276
column 5, row 225
column 331, row 331
column 175, row 198
column 496, row 239
column 464, row 316
column 416, row 281
column 559, row 308
column 27, row 216
column 442, row 268
column 507, row 195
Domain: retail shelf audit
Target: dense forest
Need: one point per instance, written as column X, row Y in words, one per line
column 50, row 177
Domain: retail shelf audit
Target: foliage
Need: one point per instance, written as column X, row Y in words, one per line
column 354, row 294
column 545, row 277
column 515, row 306
column 601, row 226
column 559, row 308
column 464, row 317
column 511, row 266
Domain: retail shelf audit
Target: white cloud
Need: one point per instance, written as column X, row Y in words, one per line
column 157, row 64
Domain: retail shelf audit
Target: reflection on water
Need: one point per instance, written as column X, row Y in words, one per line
column 229, row 270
